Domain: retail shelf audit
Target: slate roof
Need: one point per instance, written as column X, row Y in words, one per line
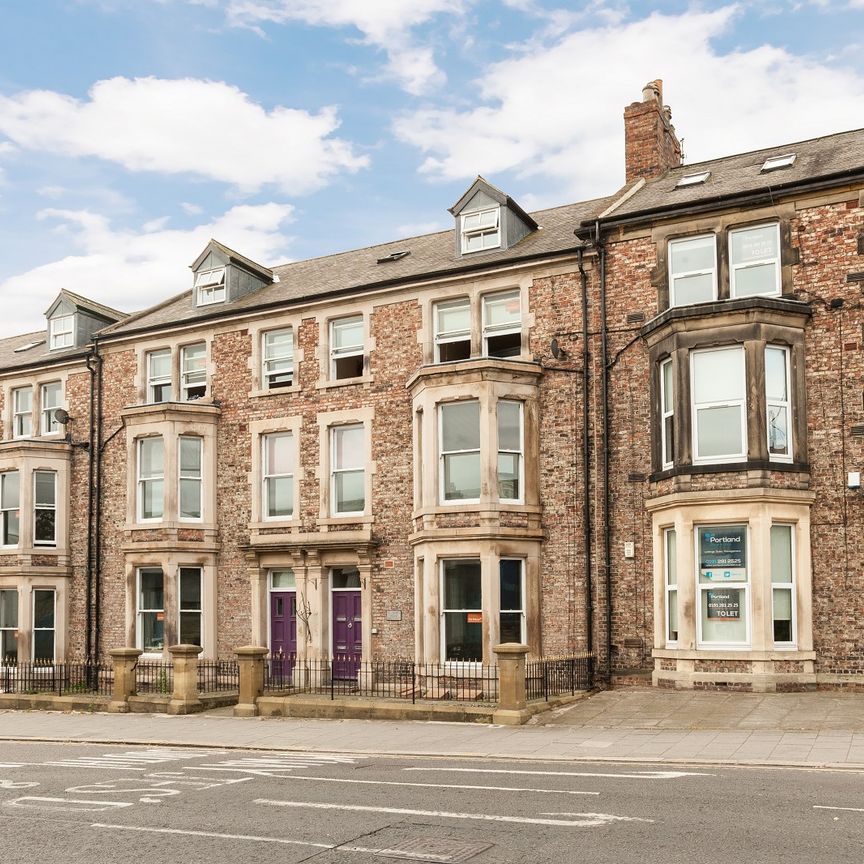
column 9, row 359
column 831, row 155
column 430, row 255
column 88, row 305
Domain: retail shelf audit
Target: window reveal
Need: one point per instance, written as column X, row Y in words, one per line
column 44, row 625
column 50, row 398
column 151, row 609
column 278, row 359
column 723, row 583
column 45, row 508
column 8, row 625
column 754, row 261
column 462, row 610
column 22, row 412
column 151, row 478
column 481, row 230
column 667, row 410
column 346, row 347
column 193, row 372
column 159, row 376
column 782, row 585
column 502, row 324
column 10, row 503
column 511, row 600
column 348, row 483
column 453, row 330
column 189, row 601
column 191, row 477
column 210, row 285
column 692, row 270
column 279, row 466
column 777, row 402
column 510, row 451
column 719, row 406
column 670, row 552
column 460, row 451
column 62, row 332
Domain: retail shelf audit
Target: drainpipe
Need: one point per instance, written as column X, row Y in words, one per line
column 91, row 460
column 97, row 582
column 586, row 460
column 604, row 386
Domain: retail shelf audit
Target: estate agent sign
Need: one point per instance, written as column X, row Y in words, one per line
column 723, row 554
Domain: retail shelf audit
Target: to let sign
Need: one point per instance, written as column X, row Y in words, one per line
column 723, row 553
column 724, row 604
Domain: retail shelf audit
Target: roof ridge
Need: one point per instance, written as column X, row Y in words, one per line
column 92, row 304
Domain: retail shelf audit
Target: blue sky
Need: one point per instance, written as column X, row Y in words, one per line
column 131, row 131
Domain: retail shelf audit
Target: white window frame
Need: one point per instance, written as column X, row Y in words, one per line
column 158, row 381
column 50, row 508
column 445, row 609
column 62, row 338
column 667, row 413
column 520, row 453
column 705, row 586
column 192, row 378
column 784, row 405
column 446, row 337
column 140, row 612
column 670, row 565
column 209, row 288
column 141, row 480
column 18, row 415
column 357, row 350
column 15, row 629
column 490, row 235
column 791, row 587
column 267, row 476
column 267, row 361
column 180, row 610
column 523, row 632
column 734, row 268
column 361, row 468
column 491, row 330
column 48, row 412
column 442, row 454
column 34, row 629
column 680, row 241
column 741, row 403
column 184, row 476
column 5, row 509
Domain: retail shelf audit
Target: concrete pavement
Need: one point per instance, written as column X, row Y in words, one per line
column 631, row 724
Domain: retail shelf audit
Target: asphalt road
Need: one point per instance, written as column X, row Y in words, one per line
column 77, row 803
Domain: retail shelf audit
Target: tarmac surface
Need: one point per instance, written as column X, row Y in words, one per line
column 629, row 724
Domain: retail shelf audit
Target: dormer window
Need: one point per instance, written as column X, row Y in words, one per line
column 62, row 332
column 481, row 230
column 210, row 285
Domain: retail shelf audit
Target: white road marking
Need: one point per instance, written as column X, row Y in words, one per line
column 639, row 775
column 132, row 760
column 439, row 785
column 850, row 809
column 267, row 766
column 212, row 834
column 37, row 803
column 588, row 820
column 15, row 784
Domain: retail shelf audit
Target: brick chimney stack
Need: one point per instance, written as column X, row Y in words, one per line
column 650, row 145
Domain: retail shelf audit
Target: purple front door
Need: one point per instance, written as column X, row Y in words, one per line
column 347, row 634
column 283, row 633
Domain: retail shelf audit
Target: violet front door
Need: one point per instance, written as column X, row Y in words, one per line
column 347, row 634
column 283, row 633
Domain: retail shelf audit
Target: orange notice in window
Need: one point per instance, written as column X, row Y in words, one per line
column 475, row 617
column 160, row 616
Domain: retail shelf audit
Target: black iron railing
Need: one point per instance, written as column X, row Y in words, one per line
column 558, row 676
column 154, row 677
column 218, row 676
column 60, row 679
column 382, row 679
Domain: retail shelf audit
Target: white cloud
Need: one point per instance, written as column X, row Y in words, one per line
column 385, row 24
column 415, row 229
column 131, row 270
column 184, row 126
column 191, row 209
column 556, row 113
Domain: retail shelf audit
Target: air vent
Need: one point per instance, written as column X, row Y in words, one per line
column 635, row 317
column 635, row 477
column 855, row 277
column 858, row 431
column 394, row 256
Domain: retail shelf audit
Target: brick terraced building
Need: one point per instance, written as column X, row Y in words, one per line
column 631, row 424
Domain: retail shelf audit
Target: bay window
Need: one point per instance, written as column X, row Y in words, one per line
column 193, row 371
column 754, row 261
column 8, row 625
column 782, row 585
column 44, row 508
column 462, row 610
column 719, row 405
column 348, row 470
column 452, row 330
column 151, row 479
column 670, row 566
column 10, row 512
column 667, row 410
column 151, row 609
column 346, row 347
column 777, row 402
column 279, row 464
column 511, row 600
column 44, row 624
column 510, row 451
column 191, row 477
column 189, row 604
column 692, row 270
column 278, row 359
column 723, row 583
column 459, row 436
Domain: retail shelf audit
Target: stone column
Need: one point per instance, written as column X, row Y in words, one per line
column 124, row 661
column 251, row 662
column 512, row 703
column 185, row 699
